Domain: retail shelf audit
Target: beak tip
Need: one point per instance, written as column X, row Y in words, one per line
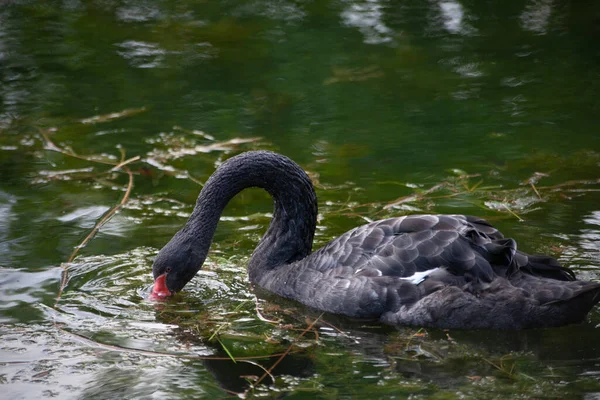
column 160, row 291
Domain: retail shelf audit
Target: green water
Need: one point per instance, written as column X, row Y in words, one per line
column 468, row 107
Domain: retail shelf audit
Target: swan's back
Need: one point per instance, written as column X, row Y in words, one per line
column 402, row 246
column 435, row 270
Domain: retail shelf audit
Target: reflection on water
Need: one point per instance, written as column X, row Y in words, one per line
column 585, row 255
column 536, row 16
column 367, row 16
column 138, row 11
column 492, row 105
column 453, row 15
column 141, row 54
column 454, row 18
column 6, row 218
column 22, row 290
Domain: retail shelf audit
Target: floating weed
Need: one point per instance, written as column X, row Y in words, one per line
column 460, row 187
column 474, row 187
column 226, row 350
column 113, row 116
column 512, row 212
column 353, row 75
column 505, row 365
column 216, row 332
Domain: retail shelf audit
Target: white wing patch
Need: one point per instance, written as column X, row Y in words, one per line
column 419, row 277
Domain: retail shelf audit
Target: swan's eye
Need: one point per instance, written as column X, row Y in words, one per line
column 168, row 269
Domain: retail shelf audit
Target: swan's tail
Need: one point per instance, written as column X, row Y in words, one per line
column 561, row 303
column 528, row 291
column 506, row 260
column 519, row 302
column 543, row 266
column 578, row 304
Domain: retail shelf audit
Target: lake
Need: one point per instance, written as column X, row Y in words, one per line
column 114, row 113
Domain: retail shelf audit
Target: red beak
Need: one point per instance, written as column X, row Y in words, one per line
column 160, row 290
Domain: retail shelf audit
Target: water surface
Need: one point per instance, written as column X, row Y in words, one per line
column 392, row 107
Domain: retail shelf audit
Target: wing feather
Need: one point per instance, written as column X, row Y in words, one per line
column 402, row 246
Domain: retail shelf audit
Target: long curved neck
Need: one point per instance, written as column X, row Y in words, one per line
column 290, row 234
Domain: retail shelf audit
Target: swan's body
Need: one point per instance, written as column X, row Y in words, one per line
column 447, row 271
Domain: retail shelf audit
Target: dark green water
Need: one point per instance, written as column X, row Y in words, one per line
column 377, row 100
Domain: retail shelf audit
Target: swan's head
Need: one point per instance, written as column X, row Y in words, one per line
column 174, row 266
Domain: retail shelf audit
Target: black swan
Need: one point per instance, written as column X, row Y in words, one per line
column 444, row 271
